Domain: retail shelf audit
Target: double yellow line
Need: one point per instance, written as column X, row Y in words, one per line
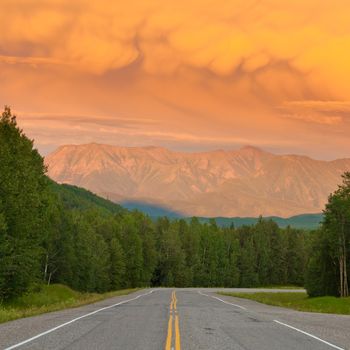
column 173, row 315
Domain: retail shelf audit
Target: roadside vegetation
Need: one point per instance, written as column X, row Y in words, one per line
column 329, row 259
column 55, row 297
column 292, row 287
column 60, row 234
column 299, row 301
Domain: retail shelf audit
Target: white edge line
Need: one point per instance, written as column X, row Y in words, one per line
column 74, row 320
column 223, row 301
column 279, row 322
column 310, row 335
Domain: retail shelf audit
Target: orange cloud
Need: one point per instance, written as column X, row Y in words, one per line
column 204, row 68
column 220, row 36
column 320, row 112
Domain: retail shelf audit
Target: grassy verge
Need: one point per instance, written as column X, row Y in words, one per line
column 282, row 287
column 299, row 301
column 51, row 298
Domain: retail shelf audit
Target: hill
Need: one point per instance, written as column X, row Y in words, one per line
column 304, row 221
column 74, row 197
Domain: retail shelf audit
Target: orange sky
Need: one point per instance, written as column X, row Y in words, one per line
column 188, row 75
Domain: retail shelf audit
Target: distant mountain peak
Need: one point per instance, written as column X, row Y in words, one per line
column 251, row 148
column 245, row 182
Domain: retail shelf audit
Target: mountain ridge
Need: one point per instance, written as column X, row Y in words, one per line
column 302, row 221
column 244, row 182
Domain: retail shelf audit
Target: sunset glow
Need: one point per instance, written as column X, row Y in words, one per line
column 188, row 75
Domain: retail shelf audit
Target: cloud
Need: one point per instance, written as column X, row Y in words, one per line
column 201, row 69
column 31, row 61
column 219, row 36
column 31, row 118
column 277, row 50
column 103, row 125
column 52, row 130
column 319, row 112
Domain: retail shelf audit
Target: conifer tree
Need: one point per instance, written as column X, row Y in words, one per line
column 22, row 192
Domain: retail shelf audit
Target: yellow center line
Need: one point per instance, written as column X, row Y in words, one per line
column 172, row 301
column 177, row 334
column 173, row 314
column 170, row 333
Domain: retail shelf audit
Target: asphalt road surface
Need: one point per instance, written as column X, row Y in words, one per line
column 174, row 319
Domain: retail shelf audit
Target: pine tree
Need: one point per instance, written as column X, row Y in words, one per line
column 337, row 226
column 22, row 192
column 172, row 258
column 262, row 239
column 247, row 259
column 117, row 265
column 295, row 258
column 132, row 247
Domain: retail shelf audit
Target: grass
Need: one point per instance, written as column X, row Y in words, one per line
column 282, row 287
column 299, row 301
column 51, row 298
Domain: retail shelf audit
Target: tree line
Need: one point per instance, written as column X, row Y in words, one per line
column 329, row 261
column 52, row 233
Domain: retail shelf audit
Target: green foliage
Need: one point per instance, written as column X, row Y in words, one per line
column 321, row 273
column 55, row 297
column 117, row 264
column 23, row 188
column 172, row 258
column 296, row 254
column 73, row 197
column 248, row 263
column 329, row 263
column 42, row 295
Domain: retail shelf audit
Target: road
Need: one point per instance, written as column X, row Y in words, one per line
column 175, row 319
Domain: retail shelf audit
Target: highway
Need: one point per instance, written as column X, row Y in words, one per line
column 174, row 319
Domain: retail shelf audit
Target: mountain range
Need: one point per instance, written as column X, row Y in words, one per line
column 245, row 182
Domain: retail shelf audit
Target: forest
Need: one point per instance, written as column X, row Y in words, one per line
column 51, row 233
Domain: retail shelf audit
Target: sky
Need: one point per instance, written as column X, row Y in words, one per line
column 190, row 75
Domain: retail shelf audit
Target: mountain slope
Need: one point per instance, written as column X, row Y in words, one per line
column 74, row 197
column 246, row 182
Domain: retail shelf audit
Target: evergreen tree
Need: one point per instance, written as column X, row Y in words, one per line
column 150, row 256
column 262, row 239
column 321, row 277
column 248, row 259
column 295, row 256
column 278, row 271
column 22, row 191
column 329, row 264
column 191, row 246
column 172, row 259
column 117, row 265
column 230, row 270
column 337, row 225
column 132, row 246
